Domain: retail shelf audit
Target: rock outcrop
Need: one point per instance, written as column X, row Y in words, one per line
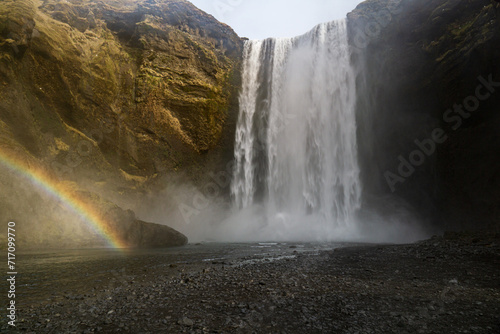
column 134, row 233
column 421, row 65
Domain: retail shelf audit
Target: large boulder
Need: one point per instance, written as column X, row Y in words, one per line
column 141, row 234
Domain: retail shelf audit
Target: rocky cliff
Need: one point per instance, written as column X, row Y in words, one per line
column 428, row 111
column 112, row 95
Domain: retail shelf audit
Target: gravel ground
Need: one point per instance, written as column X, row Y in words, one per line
column 446, row 284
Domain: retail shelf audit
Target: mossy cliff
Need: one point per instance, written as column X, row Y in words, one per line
column 114, row 94
column 144, row 81
column 420, row 62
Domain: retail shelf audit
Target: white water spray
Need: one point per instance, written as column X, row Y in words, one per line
column 295, row 149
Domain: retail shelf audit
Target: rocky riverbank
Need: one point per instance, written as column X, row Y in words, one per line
column 443, row 285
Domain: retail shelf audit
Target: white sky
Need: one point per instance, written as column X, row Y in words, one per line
column 258, row 19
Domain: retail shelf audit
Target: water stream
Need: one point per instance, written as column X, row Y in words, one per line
column 295, row 150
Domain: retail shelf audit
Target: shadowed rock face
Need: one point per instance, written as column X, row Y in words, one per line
column 419, row 59
column 113, row 95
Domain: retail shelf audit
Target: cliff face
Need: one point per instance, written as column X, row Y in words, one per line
column 146, row 83
column 429, row 84
column 113, row 94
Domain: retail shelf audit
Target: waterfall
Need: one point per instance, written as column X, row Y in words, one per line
column 295, row 145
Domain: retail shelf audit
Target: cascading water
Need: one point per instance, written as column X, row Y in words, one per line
column 295, row 149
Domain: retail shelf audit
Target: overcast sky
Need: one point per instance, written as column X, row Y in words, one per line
column 258, row 19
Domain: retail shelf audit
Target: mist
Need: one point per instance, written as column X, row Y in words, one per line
column 389, row 220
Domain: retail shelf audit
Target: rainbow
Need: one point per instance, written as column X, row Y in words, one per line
column 41, row 180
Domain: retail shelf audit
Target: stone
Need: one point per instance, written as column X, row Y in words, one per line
column 186, row 322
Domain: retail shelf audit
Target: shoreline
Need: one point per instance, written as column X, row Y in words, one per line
column 447, row 284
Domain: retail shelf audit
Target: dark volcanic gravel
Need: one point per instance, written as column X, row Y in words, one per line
column 442, row 285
